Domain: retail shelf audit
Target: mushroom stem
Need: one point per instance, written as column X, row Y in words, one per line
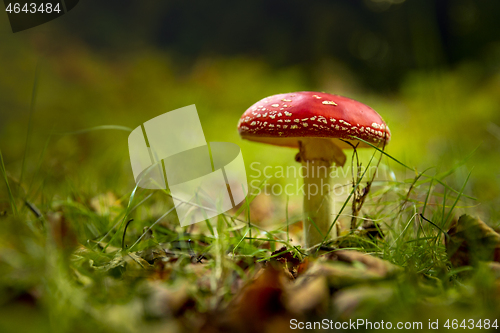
column 317, row 156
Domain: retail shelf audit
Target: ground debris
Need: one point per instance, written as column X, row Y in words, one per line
column 471, row 241
column 309, row 295
column 162, row 301
column 259, row 306
column 293, row 266
column 372, row 264
column 360, row 299
column 62, row 232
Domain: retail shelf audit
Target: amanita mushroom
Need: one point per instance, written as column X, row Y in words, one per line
column 316, row 123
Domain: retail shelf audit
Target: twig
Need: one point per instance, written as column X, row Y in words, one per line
column 125, row 232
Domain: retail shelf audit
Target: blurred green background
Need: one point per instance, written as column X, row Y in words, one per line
column 431, row 68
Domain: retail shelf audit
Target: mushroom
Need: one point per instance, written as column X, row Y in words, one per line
column 320, row 125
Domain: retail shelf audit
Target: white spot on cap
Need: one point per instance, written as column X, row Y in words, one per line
column 287, row 113
column 253, row 123
column 375, row 125
column 305, row 124
column 316, row 96
column 294, row 127
column 329, row 103
column 286, row 100
column 275, row 105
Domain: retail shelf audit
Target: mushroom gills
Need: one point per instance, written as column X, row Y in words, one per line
column 320, row 149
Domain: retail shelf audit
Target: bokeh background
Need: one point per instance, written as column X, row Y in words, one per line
column 431, row 68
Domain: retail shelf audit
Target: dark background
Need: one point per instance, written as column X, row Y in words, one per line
column 379, row 40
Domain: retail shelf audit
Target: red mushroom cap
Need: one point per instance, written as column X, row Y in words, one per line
column 283, row 119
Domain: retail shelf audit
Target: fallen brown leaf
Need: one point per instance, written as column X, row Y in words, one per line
column 62, row 233
column 363, row 299
column 470, row 241
column 259, row 307
column 309, row 295
column 373, row 264
column 346, row 268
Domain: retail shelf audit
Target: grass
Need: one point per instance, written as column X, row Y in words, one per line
column 94, row 264
column 109, row 257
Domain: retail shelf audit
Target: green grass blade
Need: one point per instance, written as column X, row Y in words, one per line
column 287, row 221
column 9, row 190
column 127, row 211
column 34, row 94
column 413, row 169
column 98, row 128
column 241, row 240
column 458, row 198
column 427, row 197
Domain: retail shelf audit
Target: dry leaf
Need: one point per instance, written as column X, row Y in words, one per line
column 260, row 304
column 349, row 301
column 373, row 264
column 470, row 241
column 346, row 268
column 62, row 233
column 309, row 295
